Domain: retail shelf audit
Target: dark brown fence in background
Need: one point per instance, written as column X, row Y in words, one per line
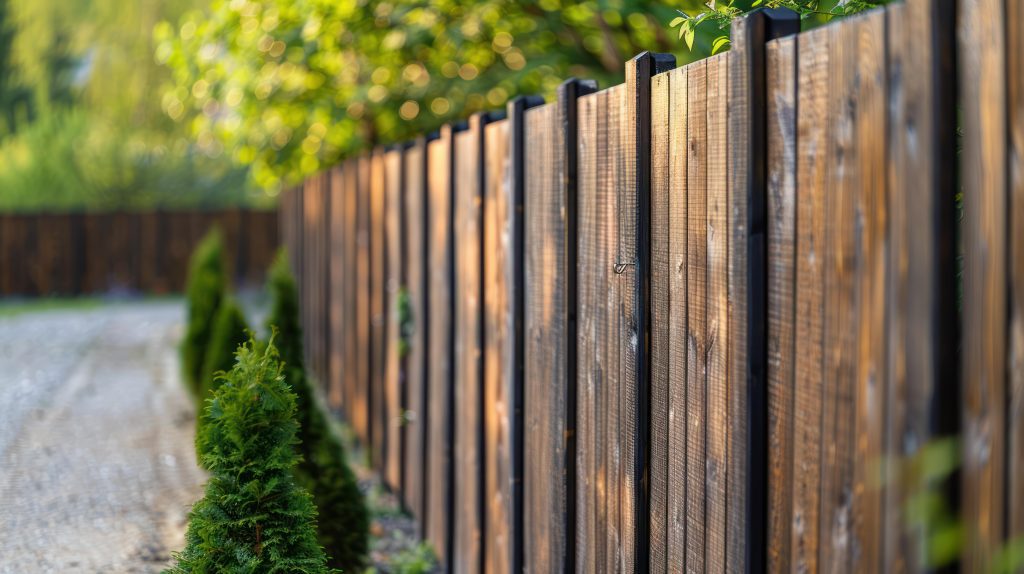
column 89, row 253
column 704, row 320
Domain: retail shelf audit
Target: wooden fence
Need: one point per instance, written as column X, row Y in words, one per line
column 704, row 320
column 88, row 253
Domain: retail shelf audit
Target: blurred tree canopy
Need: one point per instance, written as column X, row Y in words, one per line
column 288, row 86
column 81, row 125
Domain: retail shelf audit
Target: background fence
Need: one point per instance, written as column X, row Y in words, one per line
column 706, row 319
column 82, row 253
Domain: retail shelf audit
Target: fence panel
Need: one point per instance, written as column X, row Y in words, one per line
column 545, row 407
column 394, row 370
column 440, row 345
column 129, row 252
column 416, row 267
column 606, row 423
column 336, row 285
column 468, row 444
column 992, row 100
column 378, row 265
column 499, row 347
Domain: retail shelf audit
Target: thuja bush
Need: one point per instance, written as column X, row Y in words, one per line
column 254, row 517
column 344, row 524
column 230, row 331
column 204, row 293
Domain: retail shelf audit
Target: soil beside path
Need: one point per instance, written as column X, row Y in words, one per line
column 97, row 467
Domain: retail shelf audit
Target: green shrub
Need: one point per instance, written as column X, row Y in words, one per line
column 254, row 517
column 204, row 292
column 343, row 531
column 230, row 331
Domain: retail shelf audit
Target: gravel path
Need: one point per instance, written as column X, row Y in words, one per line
column 97, row 468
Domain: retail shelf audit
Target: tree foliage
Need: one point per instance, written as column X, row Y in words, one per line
column 288, row 86
column 323, row 469
column 254, row 518
column 205, row 289
column 716, row 16
column 81, row 123
column 230, row 331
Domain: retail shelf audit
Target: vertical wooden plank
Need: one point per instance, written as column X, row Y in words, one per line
column 662, row 130
column 1015, row 95
column 696, row 302
column 416, row 423
column 354, row 407
column 394, row 372
column 782, row 164
column 468, row 365
column 982, row 64
column 339, row 278
column 716, row 315
column 742, row 55
column 544, row 455
column 871, row 253
column 378, row 266
column 840, row 315
column 363, row 316
column 590, row 482
column 499, row 348
column 440, row 346
column 677, row 292
column 614, row 193
column 813, row 136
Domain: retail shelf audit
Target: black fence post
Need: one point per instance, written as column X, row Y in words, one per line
column 750, row 34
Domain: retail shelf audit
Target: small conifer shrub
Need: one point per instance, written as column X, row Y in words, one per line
column 230, row 331
column 345, row 520
column 204, row 291
column 254, row 517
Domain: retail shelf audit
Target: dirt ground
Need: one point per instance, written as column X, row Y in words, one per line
column 97, row 467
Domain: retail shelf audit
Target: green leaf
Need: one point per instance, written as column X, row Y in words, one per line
column 719, row 43
column 688, row 37
column 676, row 21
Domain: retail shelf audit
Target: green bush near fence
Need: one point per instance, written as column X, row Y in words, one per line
column 254, row 516
column 343, row 530
column 204, row 292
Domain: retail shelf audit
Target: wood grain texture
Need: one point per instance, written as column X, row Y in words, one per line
column 468, row 415
column 440, row 344
column 590, row 482
column 716, row 317
column 913, row 269
column 394, row 373
column 813, row 136
column 545, row 484
column 499, row 349
column 618, row 285
column 782, row 207
column 599, row 470
column 841, row 312
column 662, row 128
column 696, row 302
column 740, row 67
column 416, row 268
column 982, row 64
column 870, row 249
column 1015, row 157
